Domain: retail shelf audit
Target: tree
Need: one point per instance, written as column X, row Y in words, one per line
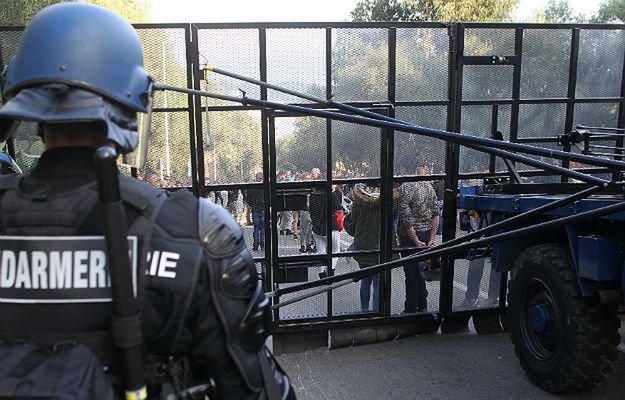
column 395, row 10
column 19, row 12
column 558, row 12
column 611, row 11
column 476, row 10
column 434, row 10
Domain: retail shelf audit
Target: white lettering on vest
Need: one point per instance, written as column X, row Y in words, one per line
column 97, row 274
column 80, row 269
column 22, row 278
column 154, row 257
column 60, row 269
column 40, row 266
column 7, row 278
column 168, row 260
column 162, row 264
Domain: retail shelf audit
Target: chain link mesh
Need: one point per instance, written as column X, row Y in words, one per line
column 411, row 148
column 488, row 42
column 355, row 150
column 296, row 61
column 360, row 64
column 476, row 121
column 545, row 63
column 232, row 146
column 234, row 50
column 422, row 59
column 600, row 63
column 486, row 82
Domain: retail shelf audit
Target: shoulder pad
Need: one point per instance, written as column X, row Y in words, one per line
column 137, row 193
column 218, row 232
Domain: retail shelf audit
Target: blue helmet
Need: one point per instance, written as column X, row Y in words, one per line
column 78, row 62
column 85, row 46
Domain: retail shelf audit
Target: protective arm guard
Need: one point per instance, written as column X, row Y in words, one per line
column 240, row 302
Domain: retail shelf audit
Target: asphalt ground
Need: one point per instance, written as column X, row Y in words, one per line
column 433, row 366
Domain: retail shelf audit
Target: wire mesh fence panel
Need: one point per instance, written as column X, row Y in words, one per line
column 411, row 149
column 406, row 285
column 357, row 297
column 235, row 200
column 422, row 64
column 28, row 145
column 541, row 120
column 312, row 307
column 232, row 146
column 475, row 284
column 250, row 215
column 9, row 45
column 486, row 82
column 169, row 160
column 301, row 148
column 477, row 121
column 360, row 64
column 304, row 231
column 362, row 233
column 600, row 63
column 233, row 50
column 545, row 64
column 488, row 42
column 413, row 287
column 355, row 150
column 165, row 60
column 547, row 177
column 596, row 114
column 296, row 61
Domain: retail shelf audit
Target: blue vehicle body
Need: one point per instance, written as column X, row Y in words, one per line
column 597, row 246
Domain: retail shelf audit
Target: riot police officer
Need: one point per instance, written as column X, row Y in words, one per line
column 79, row 75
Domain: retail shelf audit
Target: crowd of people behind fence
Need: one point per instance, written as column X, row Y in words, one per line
column 356, row 209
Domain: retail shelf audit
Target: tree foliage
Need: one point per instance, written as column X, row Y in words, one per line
column 558, row 12
column 19, row 12
column 476, row 10
column 611, row 11
column 434, row 10
column 395, row 10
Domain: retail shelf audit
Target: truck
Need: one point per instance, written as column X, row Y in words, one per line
column 566, row 282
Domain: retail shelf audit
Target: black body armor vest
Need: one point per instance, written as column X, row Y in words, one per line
column 54, row 282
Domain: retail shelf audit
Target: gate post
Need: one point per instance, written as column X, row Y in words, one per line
column 452, row 160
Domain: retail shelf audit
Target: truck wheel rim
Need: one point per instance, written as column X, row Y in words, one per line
column 539, row 320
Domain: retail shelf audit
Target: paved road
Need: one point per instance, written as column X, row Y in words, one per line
column 457, row 366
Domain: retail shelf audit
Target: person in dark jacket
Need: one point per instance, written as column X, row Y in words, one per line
column 363, row 223
column 256, row 200
column 318, row 215
column 233, row 197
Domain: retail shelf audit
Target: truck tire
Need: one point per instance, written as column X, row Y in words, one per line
column 565, row 342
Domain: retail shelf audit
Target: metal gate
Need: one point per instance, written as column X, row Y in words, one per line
column 532, row 83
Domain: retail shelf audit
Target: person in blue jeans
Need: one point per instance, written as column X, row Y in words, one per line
column 255, row 198
column 363, row 223
column 477, row 264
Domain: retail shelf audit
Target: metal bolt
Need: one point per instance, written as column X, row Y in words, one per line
column 62, row 68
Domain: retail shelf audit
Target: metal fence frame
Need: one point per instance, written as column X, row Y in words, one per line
column 454, row 103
